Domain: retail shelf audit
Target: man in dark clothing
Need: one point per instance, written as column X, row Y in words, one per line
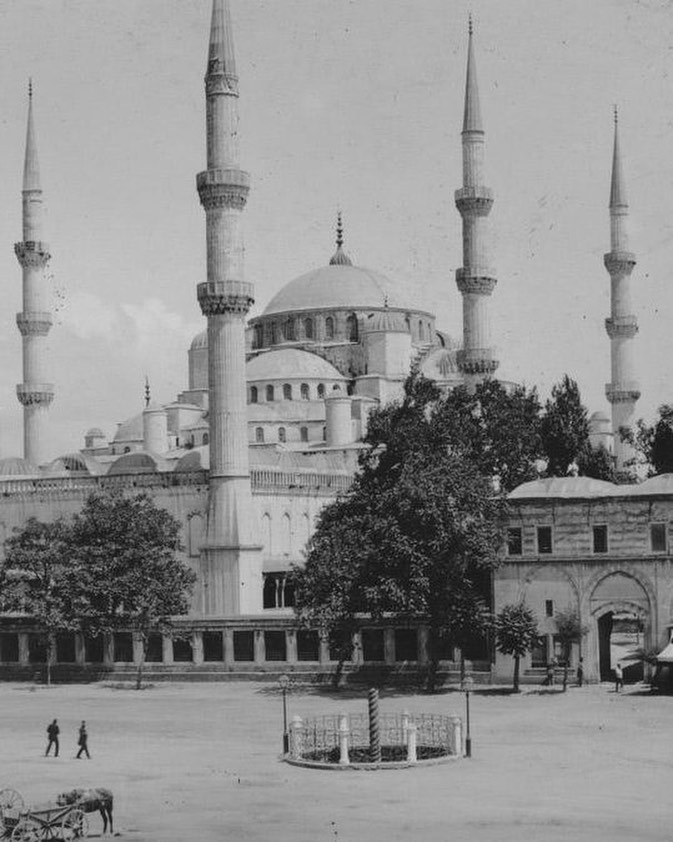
column 82, row 741
column 52, row 731
column 580, row 672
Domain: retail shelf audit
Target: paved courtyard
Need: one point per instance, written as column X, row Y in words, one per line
column 200, row 762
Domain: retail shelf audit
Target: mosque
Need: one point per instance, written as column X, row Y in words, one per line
column 268, row 429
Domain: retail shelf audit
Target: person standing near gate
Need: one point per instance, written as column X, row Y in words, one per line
column 82, row 741
column 580, row 672
column 52, row 732
column 619, row 678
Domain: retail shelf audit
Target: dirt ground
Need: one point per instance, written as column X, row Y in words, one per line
column 201, row 762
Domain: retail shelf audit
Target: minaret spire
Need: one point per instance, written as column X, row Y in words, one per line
column 231, row 560
column 35, row 321
column 476, row 279
column 340, row 258
column 623, row 391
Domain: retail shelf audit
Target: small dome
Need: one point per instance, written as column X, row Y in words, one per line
column 95, row 433
column 599, row 417
column 140, row 462
column 197, row 459
column 290, row 364
column 130, row 430
column 565, row 487
column 17, row 467
column 386, row 321
column 340, row 286
column 69, row 462
column 200, row 341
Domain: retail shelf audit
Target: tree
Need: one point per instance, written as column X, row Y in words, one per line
column 126, row 574
column 564, row 428
column 569, row 629
column 414, row 536
column 516, row 633
column 597, row 463
column 35, row 572
column 654, row 443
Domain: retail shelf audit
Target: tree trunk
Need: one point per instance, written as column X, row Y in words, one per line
column 517, row 662
column 50, row 655
column 141, row 663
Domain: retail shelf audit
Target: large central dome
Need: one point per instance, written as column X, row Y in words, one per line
column 336, row 287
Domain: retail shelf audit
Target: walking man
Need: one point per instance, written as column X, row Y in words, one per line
column 580, row 672
column 82, row 741
column 52, row 732
column 619, row 678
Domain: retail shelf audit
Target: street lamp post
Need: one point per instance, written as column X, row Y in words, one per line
column 466, row 686
column 284, row 682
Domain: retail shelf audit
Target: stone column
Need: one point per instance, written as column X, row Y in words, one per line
column 167, row 649
column 24, row 648
column 228, row 646
column 291, row 644
column 197, row 648
column 80, row 651
column 260, row 647
column 389, row 646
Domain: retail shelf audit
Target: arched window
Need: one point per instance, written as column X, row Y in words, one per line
column 274, row 333
column 421, row 331
column 259, row 435
column 303, row 433
column 287, row 392
column 303, row 390
column 205, row 439
column 329, row 328
column 282, row 436
column 287, row 534
column 321, row 390
column 269, row 392
column 270, row 591
column 308, row 328
column 253, row 394
column 288, row 330
column 352, row 328
column 258, row 339
column 127, row 450
column 324, row 433
column 267, row 532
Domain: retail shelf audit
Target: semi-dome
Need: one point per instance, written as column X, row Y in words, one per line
column 14, row 466
column 386, row 321
column 337, row 286
column 290, row 364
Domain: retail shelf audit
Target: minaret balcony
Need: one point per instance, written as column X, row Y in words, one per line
column 223, row 188
column 34, row 394
column 625, row 392
column 474, row 201
column 34, row 323
column 477, row 361
column 621, row 327
column 619, row 262
column 476, row 281
column 34, row 253
column 219, row 297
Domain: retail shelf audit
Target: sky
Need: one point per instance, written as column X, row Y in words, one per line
column 351, row 104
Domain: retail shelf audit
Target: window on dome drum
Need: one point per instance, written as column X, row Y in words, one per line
column 205, row 438
column 288, row 330
column 127, row 450
column 308, row 328
column 321, row 390
column 352, row 328
column 303, row 433
column 254, row 395
column 258, row 339
column 273, row 328
column 259, row 435
column 514, row 541
column 269, row 392
column 600, row 542
column 544, row 540
column 287, row 392
column 303, row 391
column 421, row 331
column 658, row 537
column 282, row 434
column 329, row 328
column 324, row 433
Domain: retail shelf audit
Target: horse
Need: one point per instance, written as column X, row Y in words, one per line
column 90, row 800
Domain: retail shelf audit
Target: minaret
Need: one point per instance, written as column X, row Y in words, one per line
column 231, row 558
column 476, row 279
column 622, row 326
column 35, row 321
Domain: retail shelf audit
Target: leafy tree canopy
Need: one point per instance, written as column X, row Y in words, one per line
column 654, row 443
column 516, row 633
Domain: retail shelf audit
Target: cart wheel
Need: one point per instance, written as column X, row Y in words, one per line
column 74, row 826
column 10, row 799
column 26, row 831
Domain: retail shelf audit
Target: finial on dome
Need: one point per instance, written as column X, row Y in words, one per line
column 340, row 258
column 616, row 113
column 469, row 23
column 385, row 301
column 147, row 391
column 30, row 87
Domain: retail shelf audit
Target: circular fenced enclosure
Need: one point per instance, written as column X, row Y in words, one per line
column 382, row 741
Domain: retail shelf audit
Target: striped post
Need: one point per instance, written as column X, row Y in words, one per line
column 374, row 726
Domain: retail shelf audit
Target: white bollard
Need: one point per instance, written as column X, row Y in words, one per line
column 405, row 725
column 411, row 742
column 456, row 736
column 344, row 732
column 296, row 737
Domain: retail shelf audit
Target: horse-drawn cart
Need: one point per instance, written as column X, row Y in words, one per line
column 19, row 823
